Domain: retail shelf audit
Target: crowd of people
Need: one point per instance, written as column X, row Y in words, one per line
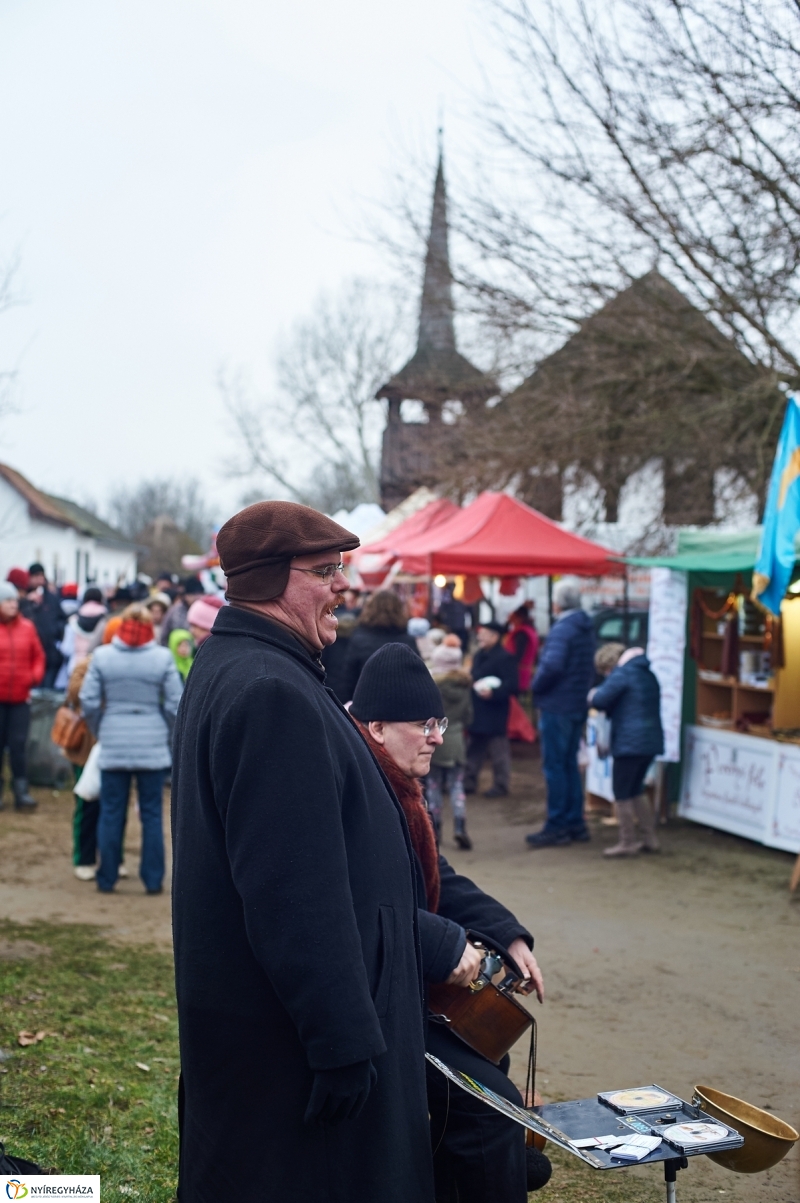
column 120, row 658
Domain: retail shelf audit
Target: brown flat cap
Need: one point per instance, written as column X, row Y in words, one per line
column 257, row 545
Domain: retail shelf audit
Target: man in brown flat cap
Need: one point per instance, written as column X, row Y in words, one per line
column 294, row 906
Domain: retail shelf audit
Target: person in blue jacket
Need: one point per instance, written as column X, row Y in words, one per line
column 631, row 698
column 562, row 681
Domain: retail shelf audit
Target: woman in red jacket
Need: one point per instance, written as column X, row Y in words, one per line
column 22, row 665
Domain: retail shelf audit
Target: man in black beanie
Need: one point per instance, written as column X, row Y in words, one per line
column 477, row 1151
column 294, row 902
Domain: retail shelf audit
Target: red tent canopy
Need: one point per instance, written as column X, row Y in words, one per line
column 499, row 536
column 374, row 560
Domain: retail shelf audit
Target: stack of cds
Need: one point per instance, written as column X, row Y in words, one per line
column 699, row 1136
column 639, row 1098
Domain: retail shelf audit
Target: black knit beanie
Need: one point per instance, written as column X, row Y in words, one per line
column 396, row 687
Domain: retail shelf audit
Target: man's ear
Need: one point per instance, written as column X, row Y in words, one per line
column 376, row 730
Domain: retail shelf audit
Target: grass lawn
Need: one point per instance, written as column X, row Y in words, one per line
column 78, row 1100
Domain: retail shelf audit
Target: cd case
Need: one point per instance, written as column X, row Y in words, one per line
column 633, row 1099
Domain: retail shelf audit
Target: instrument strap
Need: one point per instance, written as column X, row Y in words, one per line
column 530, row 1082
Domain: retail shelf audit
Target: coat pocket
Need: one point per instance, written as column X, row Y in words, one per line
column 383, row 990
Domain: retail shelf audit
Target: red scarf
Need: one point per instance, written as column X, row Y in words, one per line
column 420, row 828
column 135, row 633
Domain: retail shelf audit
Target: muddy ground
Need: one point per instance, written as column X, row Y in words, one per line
column 681, row 968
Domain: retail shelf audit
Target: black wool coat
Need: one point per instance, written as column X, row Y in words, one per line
column 296, row 935
column 464, row 908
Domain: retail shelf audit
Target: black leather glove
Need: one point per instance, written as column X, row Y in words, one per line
column 339, row 1094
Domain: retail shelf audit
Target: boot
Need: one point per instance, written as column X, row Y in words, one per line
column 22, row 799
column 460, row 834
column 647, row 823
column 627, row 845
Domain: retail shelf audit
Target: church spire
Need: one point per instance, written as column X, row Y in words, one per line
column 436, row 331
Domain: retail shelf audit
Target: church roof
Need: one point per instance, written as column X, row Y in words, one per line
column 437, row 371
column 648, row 335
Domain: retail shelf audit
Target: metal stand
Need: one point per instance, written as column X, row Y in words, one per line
column 671, row 1168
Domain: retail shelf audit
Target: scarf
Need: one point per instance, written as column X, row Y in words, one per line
column 420, row 828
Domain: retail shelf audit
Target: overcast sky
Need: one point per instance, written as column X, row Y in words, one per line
column 180, row 180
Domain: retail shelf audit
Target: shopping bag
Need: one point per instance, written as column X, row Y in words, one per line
column 88, row 787
column 519, row 726
column 602, row 727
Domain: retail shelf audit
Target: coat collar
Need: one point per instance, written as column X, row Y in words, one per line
column 244, row 623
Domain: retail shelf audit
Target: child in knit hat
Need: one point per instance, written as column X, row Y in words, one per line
column 447, row 766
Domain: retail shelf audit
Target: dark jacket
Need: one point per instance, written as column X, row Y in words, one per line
column 334, row 657
column 463, row 908
column 490, row 715
column 456, row 690
column 632, row 700
column 49, row 620
column 296, row 935
column 363, row 642
column 566, row 666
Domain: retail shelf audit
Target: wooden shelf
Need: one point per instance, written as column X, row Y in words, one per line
column 759, row 639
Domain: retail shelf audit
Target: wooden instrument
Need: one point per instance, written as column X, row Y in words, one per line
column 489, row 1019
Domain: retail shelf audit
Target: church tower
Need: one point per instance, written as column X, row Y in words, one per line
column 437, row 377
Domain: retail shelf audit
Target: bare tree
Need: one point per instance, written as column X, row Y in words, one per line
column 642, row 131
column 631, row 135
column 318, row 438
column 133, row 509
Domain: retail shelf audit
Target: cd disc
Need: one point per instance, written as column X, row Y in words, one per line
column 700, row 1133
column 646, row 1096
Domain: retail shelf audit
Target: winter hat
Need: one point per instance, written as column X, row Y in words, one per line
column 136, row 626
column 70, row 590
column 396, row 687
column 493, row 626
column 202, row 614
column 19, row 578
column 159, row 599
column 7, row 591
column 418, row 627
column 92, row 594
column 257, row 545
column 446, row 657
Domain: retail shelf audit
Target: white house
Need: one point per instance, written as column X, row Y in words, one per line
column 71, row 543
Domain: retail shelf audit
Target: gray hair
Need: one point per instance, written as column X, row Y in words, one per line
column 567, row 594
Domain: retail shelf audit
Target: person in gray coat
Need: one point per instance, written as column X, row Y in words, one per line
column 129, row 699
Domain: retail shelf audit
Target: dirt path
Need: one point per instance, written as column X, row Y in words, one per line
column 678, row 969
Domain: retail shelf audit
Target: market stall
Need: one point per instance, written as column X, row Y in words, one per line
column 740, row 692
column 499, row 536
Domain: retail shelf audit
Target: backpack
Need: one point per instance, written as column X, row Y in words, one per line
column 16, row 1165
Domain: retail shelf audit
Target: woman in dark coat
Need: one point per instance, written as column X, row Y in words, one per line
column 294, row 898
column 476, row 1150
column 631, row 698
column 383, row 620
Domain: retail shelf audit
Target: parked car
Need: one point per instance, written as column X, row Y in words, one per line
column 610, row 626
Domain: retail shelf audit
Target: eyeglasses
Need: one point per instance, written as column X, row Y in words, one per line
column 325, row 573
column 434, row 724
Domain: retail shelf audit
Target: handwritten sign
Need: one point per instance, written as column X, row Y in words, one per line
column 666, row 644
column 728, row 782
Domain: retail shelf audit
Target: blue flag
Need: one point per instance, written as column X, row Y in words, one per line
column 773, row 571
